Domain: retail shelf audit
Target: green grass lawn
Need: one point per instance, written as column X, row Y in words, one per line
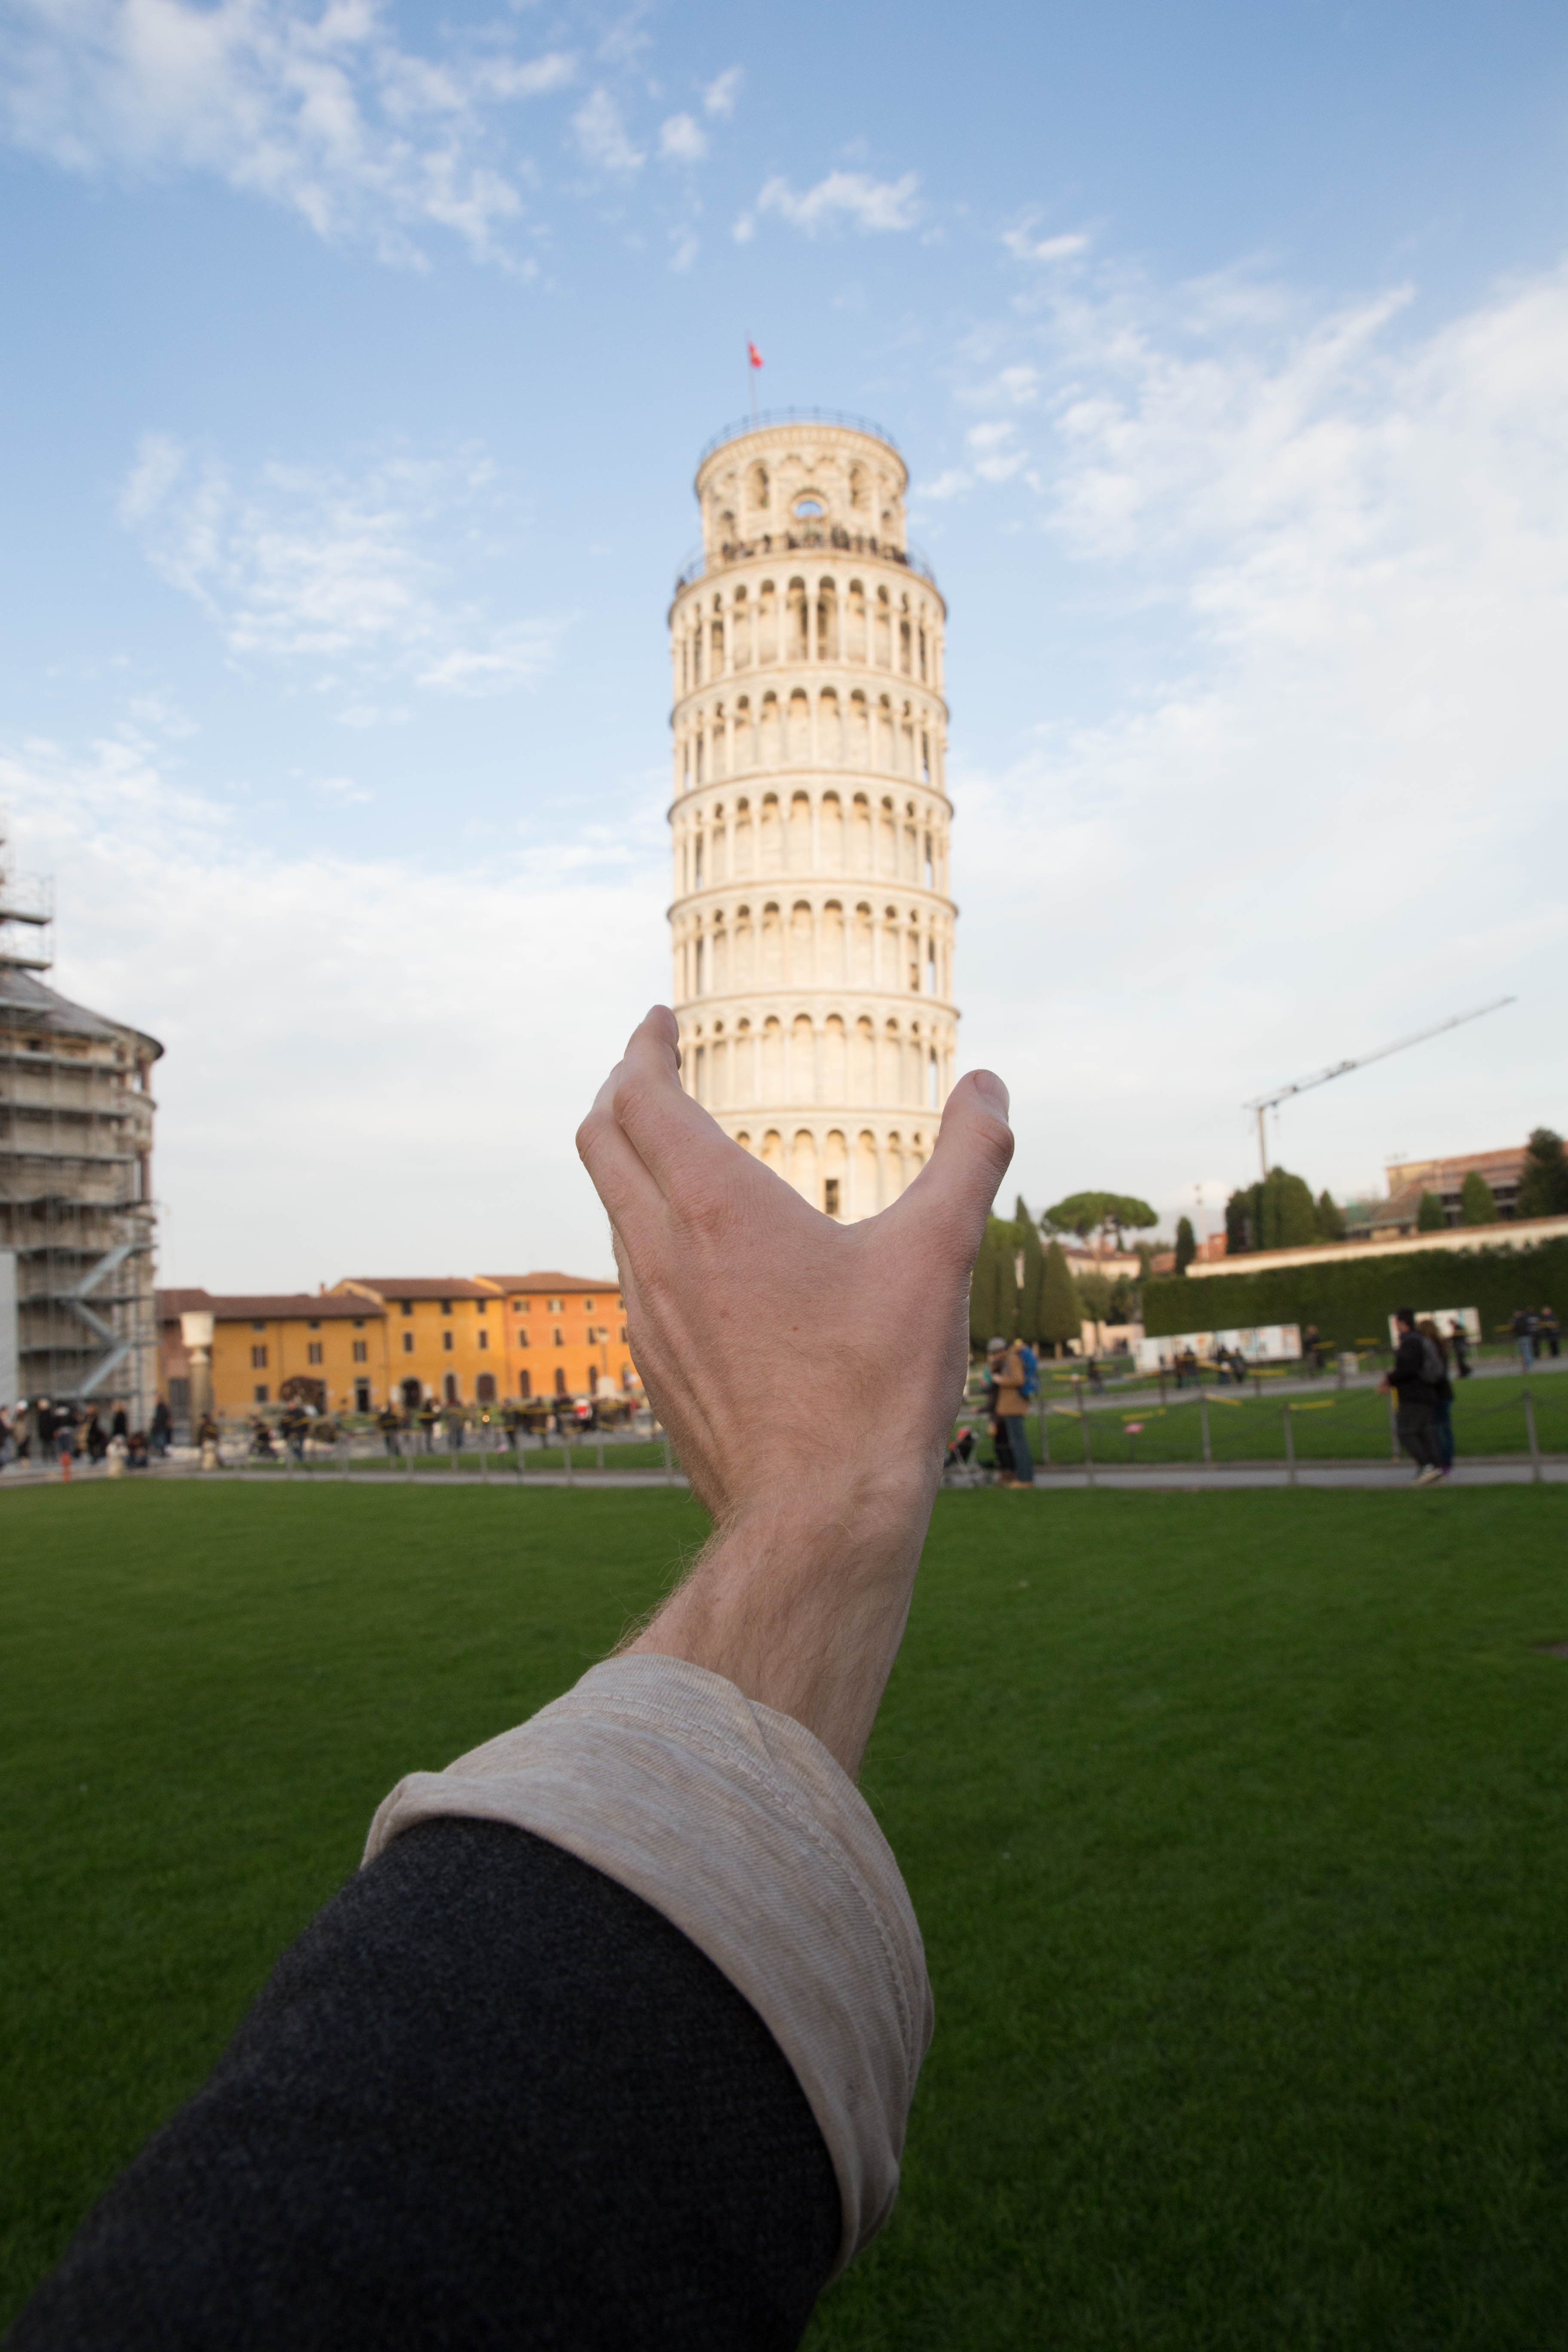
column 1236, row 1824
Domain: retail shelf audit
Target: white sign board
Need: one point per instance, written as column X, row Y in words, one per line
column 1261, row 1343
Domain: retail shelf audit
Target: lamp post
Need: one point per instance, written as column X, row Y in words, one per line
column 196, row 1327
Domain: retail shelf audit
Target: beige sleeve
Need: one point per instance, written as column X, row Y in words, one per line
column 738, row 1825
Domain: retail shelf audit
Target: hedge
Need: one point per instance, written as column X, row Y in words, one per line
column 1351, row 1299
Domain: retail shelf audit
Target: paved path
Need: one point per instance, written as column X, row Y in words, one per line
column 1177, row 1477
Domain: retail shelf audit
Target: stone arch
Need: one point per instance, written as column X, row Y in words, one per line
column 743, row 956
column 795, row 639
column 866, row 1196
column 771, row 743
column 773, row 1152
column 745, row 751
column 862, row 947
column 801, row 962
column 862, row 843
column 801, row 1060
column 829, row 734
column 798, row 750
column 830, row 833
column 834, row 1060
column 858, row 746
column 863, row 1062
column 882, row 635
column 855, row 622
column 827, row 619
column 834, row 1200
column 802, row 1165
column 773, row 951
column 767, row 623
column 773, row 1060
column 884, row 754
column 757, row 488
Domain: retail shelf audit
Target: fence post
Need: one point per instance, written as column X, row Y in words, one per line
column 1204, row 1417
column 1534, row 1441
column 1289, row 1446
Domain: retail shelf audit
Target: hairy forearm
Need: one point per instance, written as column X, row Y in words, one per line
column 802, row 1604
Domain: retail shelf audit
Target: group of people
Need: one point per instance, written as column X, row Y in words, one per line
column 1421, row 1383
column 42, row 1431
column 1012, row 1378
column 1536, row 1331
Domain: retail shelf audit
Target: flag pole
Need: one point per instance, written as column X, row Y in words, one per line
column 751, row 381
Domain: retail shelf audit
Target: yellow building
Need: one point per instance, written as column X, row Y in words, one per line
column 496, row 1339
column 269, row 1349
column 501, row 1339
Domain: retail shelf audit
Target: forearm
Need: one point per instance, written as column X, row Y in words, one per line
column 802, row 1605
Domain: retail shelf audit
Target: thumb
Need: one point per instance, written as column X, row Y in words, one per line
column 955, row 1188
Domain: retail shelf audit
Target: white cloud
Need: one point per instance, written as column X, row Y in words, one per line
column 1331, row 805
column 321, row 109
column 1024, row 245
column 993, row 452
column 306, row 563
column 682, row 140
column 722, row 91
column 949, row 484
column 686, row 250
column 602, row 135
column 333, row 1025
column 854, row 196
column 344, row 788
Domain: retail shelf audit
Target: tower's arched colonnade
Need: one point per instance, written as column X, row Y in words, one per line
column 812, row 923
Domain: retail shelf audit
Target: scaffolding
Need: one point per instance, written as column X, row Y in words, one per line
column 76, row 1214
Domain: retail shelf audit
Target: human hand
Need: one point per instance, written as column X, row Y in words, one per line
column 809, row 1371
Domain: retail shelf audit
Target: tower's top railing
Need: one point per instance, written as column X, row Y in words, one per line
column 795, row 416
column 831, row 536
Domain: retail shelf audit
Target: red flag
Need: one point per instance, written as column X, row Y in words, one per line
column 753, row 355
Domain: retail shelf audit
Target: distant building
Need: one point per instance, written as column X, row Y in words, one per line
column 412, row 1340
column 1408, row 1179
column 76, row 1216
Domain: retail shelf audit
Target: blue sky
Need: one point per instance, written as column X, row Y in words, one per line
column 359, row 360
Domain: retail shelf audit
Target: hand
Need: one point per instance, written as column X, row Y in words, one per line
column 809, row 1371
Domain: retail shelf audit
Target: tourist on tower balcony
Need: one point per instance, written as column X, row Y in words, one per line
column 612, row 2040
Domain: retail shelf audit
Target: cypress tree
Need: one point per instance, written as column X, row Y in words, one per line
column 1186, row 1243
column 1288, row 1216
column 1429, row 1217
column 1027, row 1236
column 1330, row 1218
column 1543, row 1186
column 994, row 1291
column 1477, row 1202
column 1062, row 1309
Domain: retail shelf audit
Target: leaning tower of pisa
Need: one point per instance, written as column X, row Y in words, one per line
column 811, row 920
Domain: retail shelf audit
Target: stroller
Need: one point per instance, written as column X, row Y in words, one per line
column 959, row 1467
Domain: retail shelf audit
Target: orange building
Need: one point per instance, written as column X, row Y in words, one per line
column 500, row 1338
column 271, row 1349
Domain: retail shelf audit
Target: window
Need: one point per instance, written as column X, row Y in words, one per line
column 408, row 1343
column 362, row 1352
column 525, row 1386
column 561, row 1388
column 259, row 1394
column 259, row 1327
column 587, row 1306
column 446, row 1307
column 554, row 1305
column 451, row 1388
column 624, row 1341
column 259, row 1358
column 807, row 507
column 313, row 1350
column 447, row 1341
column 362, row 1396
column 406, row 1306
column 359, row 1322
column 830, row 1195
column 559, row 1340
column 484, row 1388
column 522, row 1339
column 622, row 1305
column 520, row 1305
column 314, row 1325
column 483, row 1305
column 484, row 1338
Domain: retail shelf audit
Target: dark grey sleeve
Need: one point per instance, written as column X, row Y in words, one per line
column 491, row 2099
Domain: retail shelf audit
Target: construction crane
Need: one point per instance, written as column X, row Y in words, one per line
column 1265, row 1103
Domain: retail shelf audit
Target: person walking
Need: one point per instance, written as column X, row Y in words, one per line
column 1549, row 1331
column 1414, row 1378
column 159, row 1434
column 1460, row 1346
column 427, row 1420
column 1525, row 1336
column 207, row 1442
column 1010, row 1375
column 389, row 1423
column 1443, row 1404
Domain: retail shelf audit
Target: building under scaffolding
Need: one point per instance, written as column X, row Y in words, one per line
column 75, row 1198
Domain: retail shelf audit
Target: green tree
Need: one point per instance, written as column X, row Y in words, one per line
column 1477, row 1202
column 1429, row 1217
column 1290, row 1213
column 1543, row 1186
column 1330, row 1218
column 1027, row 1234
column 1095, row 1290
column 1110, row 1214
column 1186, row 1243
column 1241, row 1221
column 1061, row 1309
column 994, row 1290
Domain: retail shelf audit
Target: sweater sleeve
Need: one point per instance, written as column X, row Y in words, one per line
column 490, row 2099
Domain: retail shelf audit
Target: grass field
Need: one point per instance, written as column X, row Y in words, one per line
column 1236, row 1824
